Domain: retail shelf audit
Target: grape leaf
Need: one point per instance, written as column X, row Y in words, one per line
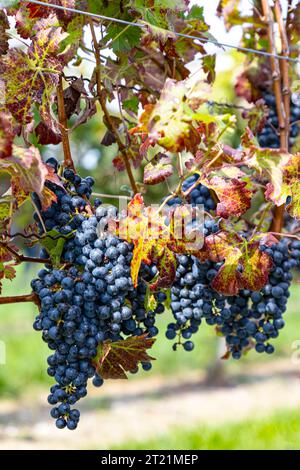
column 28, row 174
column 257, row 116
column 6, row 272
column 30, row 77
column 131, row 104
column 245, row 265
column 281, row 169
column 7, row 134
column 153, row 241
column 158, row 34
column 170, row 123
column 4, row 25
column 209, row 64
column 5, row 208
column 122, row 39
column 5, row 254
column 54, row 244
column 229, row 10
column 158, row 169
column 232, row 187
column 115, row 359
column 290, row 187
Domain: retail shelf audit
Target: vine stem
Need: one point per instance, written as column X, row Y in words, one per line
column 22, row 258
column 63, row 124
column 111, row 196
column 278, row 213
column 108, row 120
column 20, row 298
column 284, row 65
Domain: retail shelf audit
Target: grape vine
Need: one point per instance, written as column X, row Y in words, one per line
column 107, row 273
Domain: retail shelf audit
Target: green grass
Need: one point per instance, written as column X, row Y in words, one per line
column 26, row 353
column 280, row 431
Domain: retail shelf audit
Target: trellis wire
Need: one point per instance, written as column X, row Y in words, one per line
column 143, row 26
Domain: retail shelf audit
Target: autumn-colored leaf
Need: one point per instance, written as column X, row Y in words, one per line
column 48, row 130
column 280, row 168
column 5, row 254
column 7, row 134
column 28, row 173
column 171, row 121
column 6, row 272
column 153, row 241
column 166, row 263
column 115, row 359
column 232, row 187
column 230, row 12
column 31, row 76
column 245, row 266
column 255, row 266
column 158, row 34
column 4, row 25
column 158, row 169
column 257, row 116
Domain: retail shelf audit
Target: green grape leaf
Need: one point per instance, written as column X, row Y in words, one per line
column 122, row 38
column 209, row 65
column 131, row 104
column 54, row 243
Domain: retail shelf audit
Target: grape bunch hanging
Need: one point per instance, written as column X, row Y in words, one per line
column 108, row 274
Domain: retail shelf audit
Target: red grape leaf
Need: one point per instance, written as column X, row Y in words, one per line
column 245, row 265
column 5, row 254
column 6, row 272
column 165, row 261
column 257, row 116
column 7, row 134
column 115, row 359
column 256, row 266
column 232, row 187
column 28, row 174
column 158, row 169
column 48, row 130
column 4, row 25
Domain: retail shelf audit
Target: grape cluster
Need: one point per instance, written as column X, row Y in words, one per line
column 64, row 215
column 192, row 297
column 89, row 300
column 200, row 194
column 269, row 136
column 249, row 319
